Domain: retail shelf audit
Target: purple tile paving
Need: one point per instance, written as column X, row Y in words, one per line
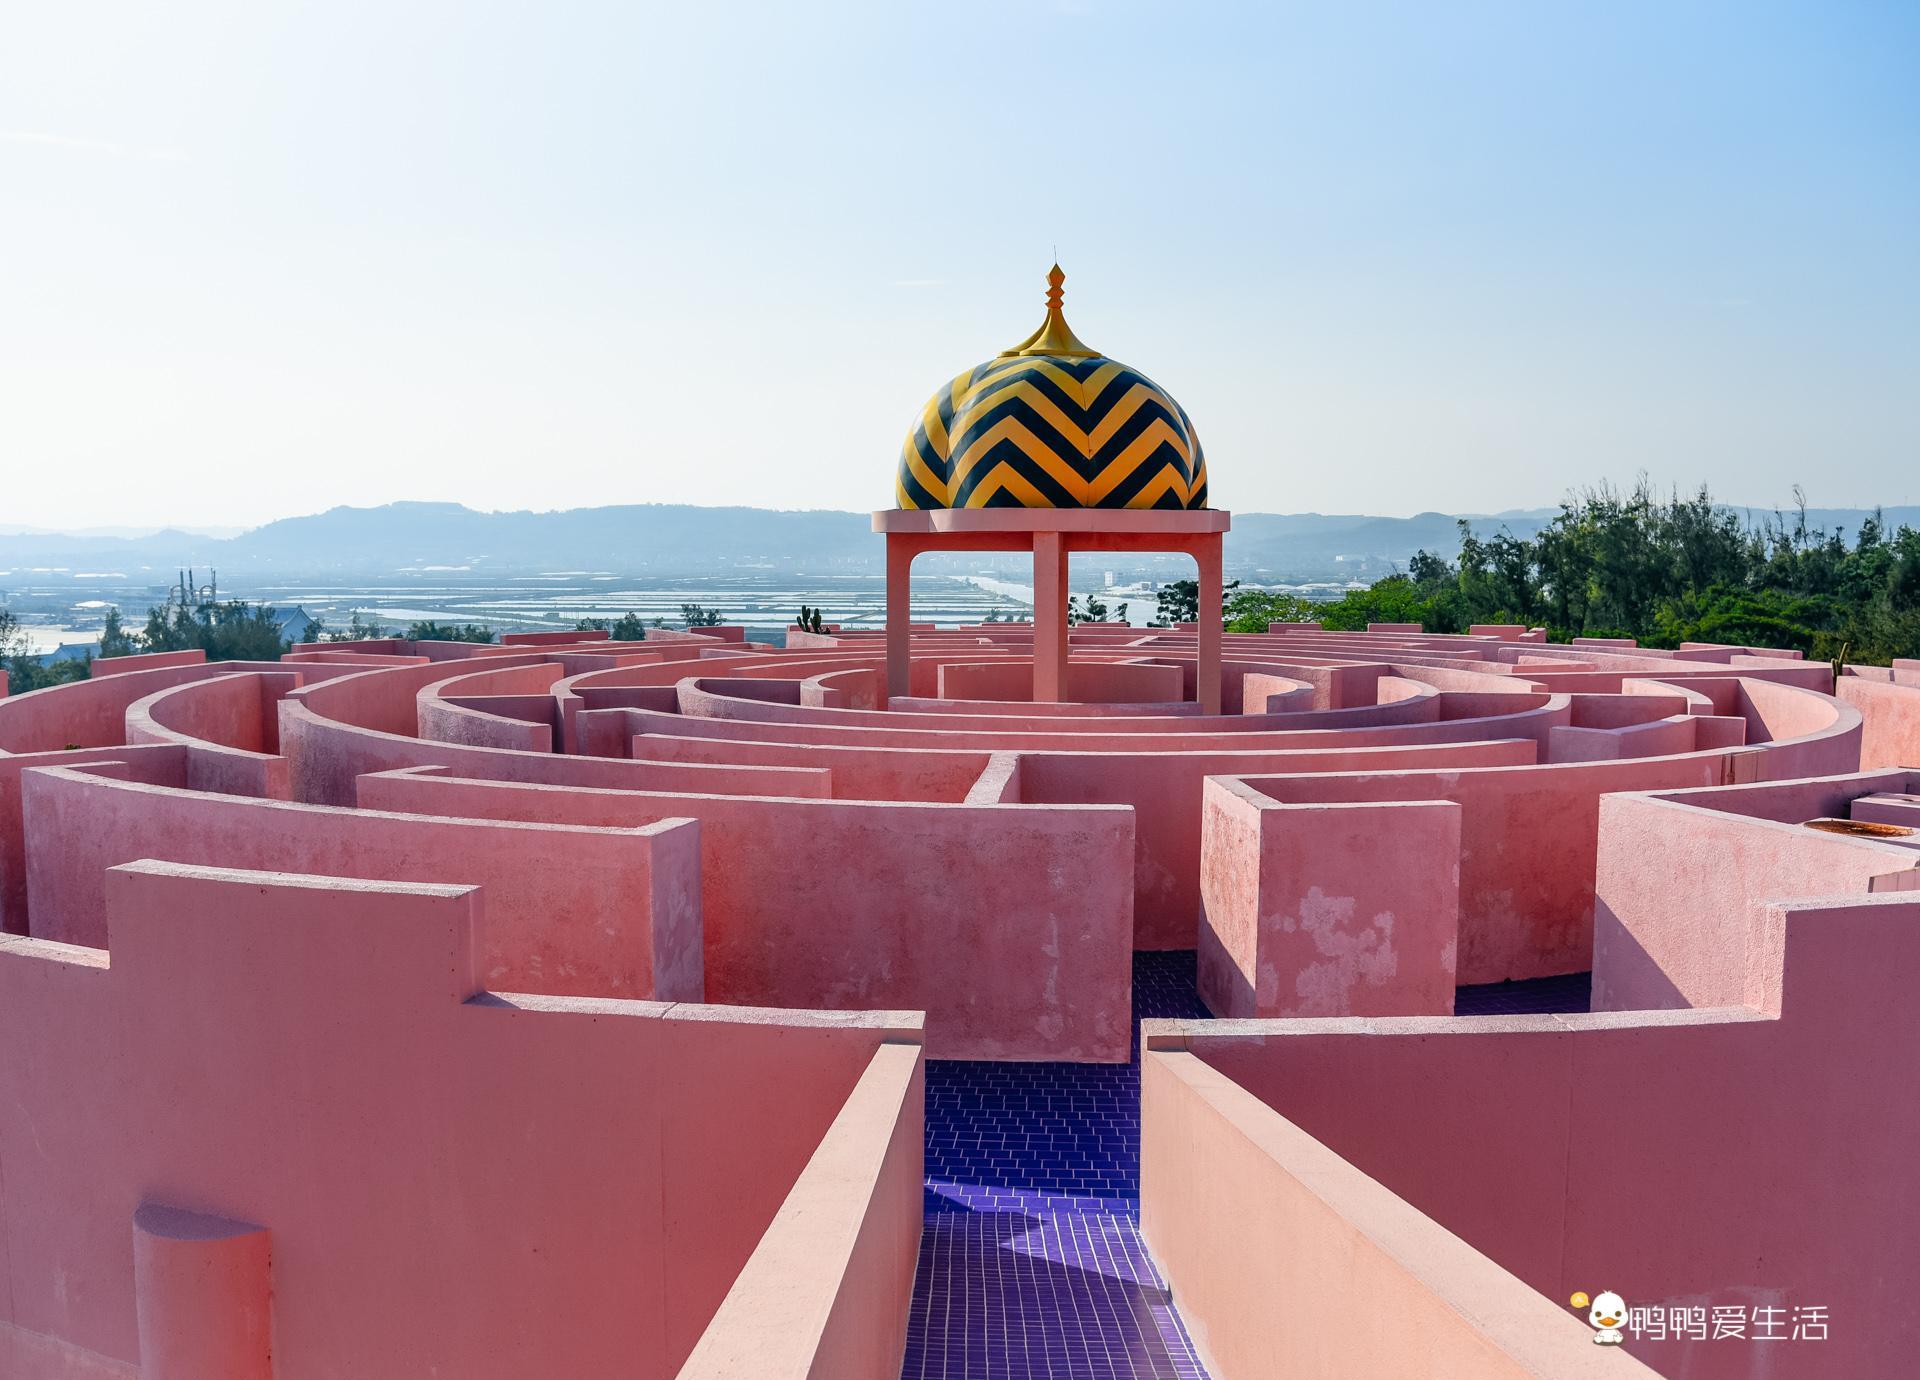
column 1032, row 1266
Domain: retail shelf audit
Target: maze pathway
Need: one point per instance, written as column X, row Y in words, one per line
column 1032, row 1266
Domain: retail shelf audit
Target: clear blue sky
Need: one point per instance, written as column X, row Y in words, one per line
column 258, row 258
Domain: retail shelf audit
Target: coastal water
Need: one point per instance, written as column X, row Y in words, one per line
column 54, row 613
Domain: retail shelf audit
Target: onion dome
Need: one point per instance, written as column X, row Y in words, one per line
column 1052, row 424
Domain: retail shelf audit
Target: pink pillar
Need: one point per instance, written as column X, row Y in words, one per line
column 202, row 1290
column 900, row 553
column 1207, row 554
column 1049, row 618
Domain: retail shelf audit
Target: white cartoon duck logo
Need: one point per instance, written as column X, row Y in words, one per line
column 1606, row 1315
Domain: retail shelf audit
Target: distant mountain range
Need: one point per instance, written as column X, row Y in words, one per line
column 669, row 539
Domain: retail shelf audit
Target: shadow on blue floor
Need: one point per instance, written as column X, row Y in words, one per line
column 1031, row 1263
column 1032, row 1266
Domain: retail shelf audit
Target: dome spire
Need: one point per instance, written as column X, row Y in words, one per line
column 1055, row 336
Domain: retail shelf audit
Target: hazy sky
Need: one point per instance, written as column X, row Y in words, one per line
column 258, row 259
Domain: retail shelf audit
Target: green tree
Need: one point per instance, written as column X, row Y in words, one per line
column 428, row 630
column 628, row 627
column 1669, row 570
column 1250, row 610
column 700, row 616
column 1396, row 599
column 358, row 629
column 115, row 640
column 1179, row 602
column 1093, row 610
column 231, row 631
column 25, row 670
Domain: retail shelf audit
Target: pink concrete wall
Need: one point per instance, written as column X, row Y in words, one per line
column 1891, row 712
column 1364, row 1286
column 1663, row 738
column 719, row 633
column 571, row 910
column 1088, row 682
column 1529, row 835
column 203, row 1294
column 385, row 700
column 856, row 689
column 1066, row 716
column 537, row 711
column 828, row 1290
column 375, row 646
column 1011, row 926
column 1262, row 693
column 1000, row 781
column 1527, row 842
column 857, row 773
column 229, row 727
column 145, row 661
column 516, row 723
column 1646, row 705
column 455, row 1182
column 1674, row 1158
column 1530, row 716
column 553, row 639
column 1299, row 918
column 363, row 659
column 718, row 699
column 164, row 765
column 1166, row 789
column 326, row 757
column 1681, row 881
column 92, row 713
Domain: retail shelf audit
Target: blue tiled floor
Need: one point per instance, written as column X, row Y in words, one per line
column 1031, row 1264
column 1048, row 1137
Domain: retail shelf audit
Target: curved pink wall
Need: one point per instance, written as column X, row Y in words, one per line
column 227, row 725
column 569, row 909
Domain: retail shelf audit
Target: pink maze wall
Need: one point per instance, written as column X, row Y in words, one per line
column 696, row 821
column 229, row 728
column 454, row 1181
column 1529, row 835
column 569, row 909
column 1682, row 877
column 1528, row 823
column 1729, row 1157
column 1010, row 927
column 161, row 765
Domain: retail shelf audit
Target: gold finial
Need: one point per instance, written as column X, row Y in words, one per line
column 1054, row 337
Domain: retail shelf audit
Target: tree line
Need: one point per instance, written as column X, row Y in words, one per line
column 1667, row 571
column 235, row 630
column 1660, row 570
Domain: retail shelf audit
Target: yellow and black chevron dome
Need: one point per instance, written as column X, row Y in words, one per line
column 1052, row 431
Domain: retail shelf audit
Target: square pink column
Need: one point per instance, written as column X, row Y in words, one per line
column 1207, row 554
column 1049, row 618
column 900, row 553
